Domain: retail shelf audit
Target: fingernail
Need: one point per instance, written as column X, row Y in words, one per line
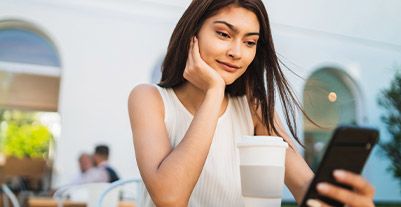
column 313, row 203
column 322, row 187
column 339, row 174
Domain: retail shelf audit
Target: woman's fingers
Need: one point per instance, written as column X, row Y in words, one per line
column 198, row 72
column 192, row 54
column 361, row 196
column 316, row 203
column 192, row 59
column 336, row 192
column 198, row 61
column 196, row 53
column 343, row 195
column 189, row 63
column 356, row 181
column 191, row 49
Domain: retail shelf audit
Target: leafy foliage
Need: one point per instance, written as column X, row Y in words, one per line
column 22, row 135
column 390, row 100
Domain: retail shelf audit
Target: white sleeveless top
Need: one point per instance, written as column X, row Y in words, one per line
column 219, row 184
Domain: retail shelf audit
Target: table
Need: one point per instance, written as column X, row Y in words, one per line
column 50, row 202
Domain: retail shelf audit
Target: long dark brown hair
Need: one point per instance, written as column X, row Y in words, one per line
column 263, row 79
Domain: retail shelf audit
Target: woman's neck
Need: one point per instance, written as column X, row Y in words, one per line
column 192, row 97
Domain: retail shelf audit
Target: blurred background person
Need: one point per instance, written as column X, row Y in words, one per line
column 88, row 172
column 101, row 158
column 85, row 162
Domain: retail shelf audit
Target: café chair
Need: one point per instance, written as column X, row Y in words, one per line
column 10, row 195
column 117, row 186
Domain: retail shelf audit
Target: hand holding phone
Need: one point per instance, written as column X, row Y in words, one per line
column 348, row 149
column 361, row 196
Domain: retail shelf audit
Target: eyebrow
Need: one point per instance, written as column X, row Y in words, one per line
column 234, row 29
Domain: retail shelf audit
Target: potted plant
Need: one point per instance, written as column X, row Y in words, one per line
column 25, row 143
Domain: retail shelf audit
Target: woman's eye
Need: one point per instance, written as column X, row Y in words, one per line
column 223, row 35
column 250, row 43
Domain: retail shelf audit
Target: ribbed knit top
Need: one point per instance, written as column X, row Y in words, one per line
column 219, row 184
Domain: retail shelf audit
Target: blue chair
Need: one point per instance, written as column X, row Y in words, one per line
column 10, row 195
column 118, row 184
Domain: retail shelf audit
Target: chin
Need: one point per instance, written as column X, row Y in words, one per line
column 228, row 78
column 228, row 82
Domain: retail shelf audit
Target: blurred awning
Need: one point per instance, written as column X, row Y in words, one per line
column 29, row 91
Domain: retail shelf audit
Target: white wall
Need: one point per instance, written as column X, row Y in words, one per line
column 107, row 47
column 358, row 37
column 370, row 67
column 105, row 50
column 368, row 19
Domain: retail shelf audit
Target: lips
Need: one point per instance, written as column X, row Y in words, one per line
column 228, row 67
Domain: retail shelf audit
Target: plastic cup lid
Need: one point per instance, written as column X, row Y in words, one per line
column 248, row 141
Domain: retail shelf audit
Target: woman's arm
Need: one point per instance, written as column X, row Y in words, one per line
column 170, row 174
column 297, row 172
column 298, row 176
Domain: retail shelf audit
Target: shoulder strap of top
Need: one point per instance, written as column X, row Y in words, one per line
column 167, row 100
column 169, row 107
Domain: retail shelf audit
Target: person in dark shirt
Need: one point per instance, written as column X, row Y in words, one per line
column 101, row 157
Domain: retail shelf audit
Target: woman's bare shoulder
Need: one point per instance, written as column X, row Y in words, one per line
column 145, row 95
column 143, row 88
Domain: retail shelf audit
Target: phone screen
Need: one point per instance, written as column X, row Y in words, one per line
column 348, row 149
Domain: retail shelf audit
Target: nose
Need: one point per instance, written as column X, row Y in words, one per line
column 234, row 51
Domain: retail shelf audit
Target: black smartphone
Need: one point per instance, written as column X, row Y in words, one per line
column 348, row 149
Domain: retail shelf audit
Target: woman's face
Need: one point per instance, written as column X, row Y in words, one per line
column 227, row 41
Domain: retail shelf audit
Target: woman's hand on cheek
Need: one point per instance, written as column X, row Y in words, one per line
column 199, row 73
column 361, row 196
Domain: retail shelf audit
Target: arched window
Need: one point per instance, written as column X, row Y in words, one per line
column 30, row 68
column 23, row 46
column 330, row 100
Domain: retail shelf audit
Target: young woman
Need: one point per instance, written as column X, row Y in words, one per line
column 220, row 79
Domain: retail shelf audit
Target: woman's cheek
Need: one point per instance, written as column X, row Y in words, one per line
column 213, row 48
column 210, row 51
column 250, row 57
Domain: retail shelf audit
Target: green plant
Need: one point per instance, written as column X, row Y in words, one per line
column 23, row 136
column 390, row 100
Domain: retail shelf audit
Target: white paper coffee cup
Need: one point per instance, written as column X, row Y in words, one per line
column 262, row 166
